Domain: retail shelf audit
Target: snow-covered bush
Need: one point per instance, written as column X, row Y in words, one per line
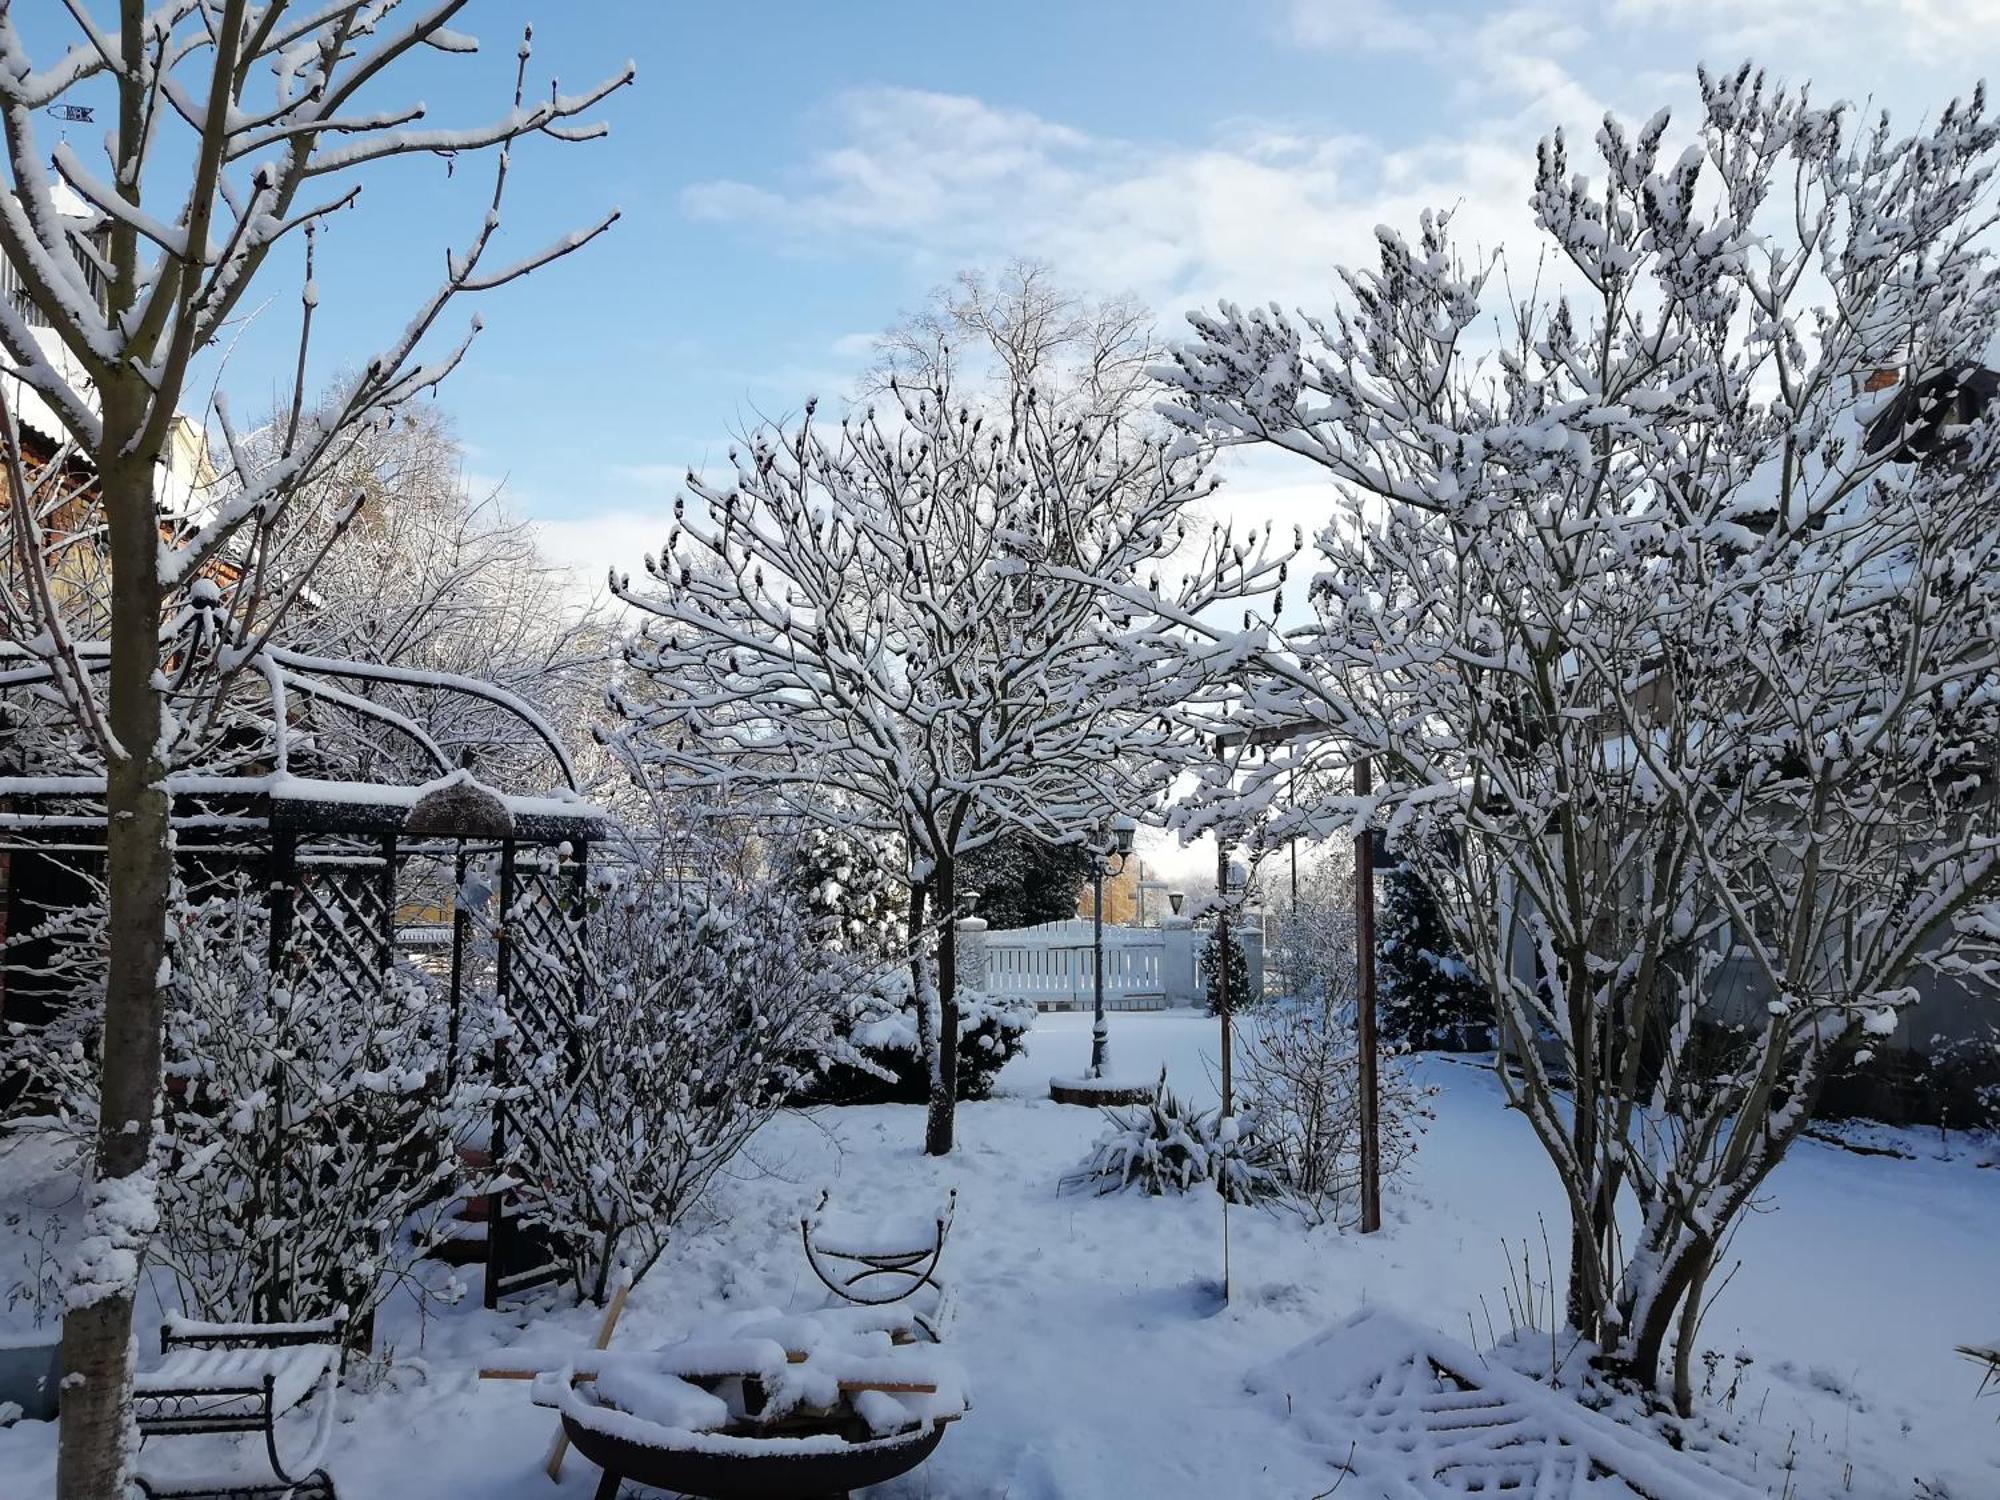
column 1300, row 1071
column 880, row 1059
column 847, row 892
column 1167, row 1146
column 708, row 1003
column 307, row 1129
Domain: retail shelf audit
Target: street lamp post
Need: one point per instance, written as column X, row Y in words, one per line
column 1113, row 841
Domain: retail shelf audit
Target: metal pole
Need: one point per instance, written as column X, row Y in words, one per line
column 1365, row 1040
column 1295, row 859
column 1222, row 964
column 1099, row 1035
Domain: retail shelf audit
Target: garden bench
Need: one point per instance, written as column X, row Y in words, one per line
column 218, row 1378
column 874, row 1265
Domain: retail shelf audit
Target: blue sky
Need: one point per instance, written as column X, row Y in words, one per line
column 795, row 175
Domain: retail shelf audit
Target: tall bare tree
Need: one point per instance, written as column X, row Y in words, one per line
column 999, row 334
column 238, row 127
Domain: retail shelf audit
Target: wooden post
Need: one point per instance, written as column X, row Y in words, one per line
column 612, row 1312
column 1365, row 1039
column 461, row 934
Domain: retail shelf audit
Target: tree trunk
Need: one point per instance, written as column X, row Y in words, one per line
column 97, row 1332
column 920, row 985
column 1646, row 1340
column 1684, row 1341
column 944, row 1084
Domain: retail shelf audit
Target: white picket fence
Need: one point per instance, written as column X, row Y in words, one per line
column 1145, row 968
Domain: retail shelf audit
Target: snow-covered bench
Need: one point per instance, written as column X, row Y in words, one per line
column 1419, row 1416
column 240, row 1377
column 869, row 1263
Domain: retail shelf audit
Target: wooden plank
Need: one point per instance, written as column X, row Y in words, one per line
column 891, row 1387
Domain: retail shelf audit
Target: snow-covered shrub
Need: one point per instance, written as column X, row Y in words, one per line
column 1167, row 1146
column 880, row 1059
column 307, row 1126
column 1300, row 1071
column 709, row 1001
column 1241, row 1158
column 848, row 892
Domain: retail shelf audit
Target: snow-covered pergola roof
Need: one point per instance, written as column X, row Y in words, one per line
column 276, row 796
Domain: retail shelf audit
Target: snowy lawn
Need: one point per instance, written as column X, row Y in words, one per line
column 1102, row 1365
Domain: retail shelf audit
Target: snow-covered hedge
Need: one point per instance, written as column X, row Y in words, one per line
column 877, row 1059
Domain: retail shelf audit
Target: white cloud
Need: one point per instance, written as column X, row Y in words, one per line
column 1264, row 210
column 1803, row 32
column 1357, row 26
column 589, row 546
column 948, row 181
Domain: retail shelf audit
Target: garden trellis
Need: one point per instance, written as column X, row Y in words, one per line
column 487, row 888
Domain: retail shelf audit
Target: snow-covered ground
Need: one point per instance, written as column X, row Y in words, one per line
column 1103, row 1365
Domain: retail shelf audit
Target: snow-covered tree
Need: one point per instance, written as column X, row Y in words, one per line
column 999, row 335
column 1316, row 931
column 432, row 576
column 236, row 128
column 1429, row 997
column 1218, row 948
column 1671, row 640
column 1023, row 881
column 904, row 627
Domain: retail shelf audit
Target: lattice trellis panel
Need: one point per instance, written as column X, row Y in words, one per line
column 546, row 954
column 544, row 983
column 1420, row 1434
column 342, row 929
